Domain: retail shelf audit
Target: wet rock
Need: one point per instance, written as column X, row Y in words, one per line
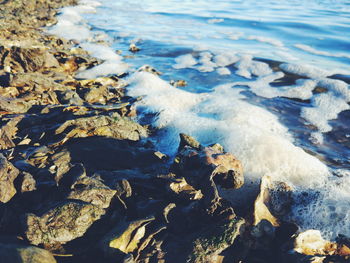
column 178, row 83
column 274, row 201
column 205, row 167
column 208, row 247
column 17, row 253
column 115, row 126
column 92, row 190
column 149, row 69
column 133, row 48
column 311, row 242
column 8, row 173
column 61, row 224
column 8, row 131
column 186, row 140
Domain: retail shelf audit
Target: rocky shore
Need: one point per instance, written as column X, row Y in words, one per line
column 81, row 182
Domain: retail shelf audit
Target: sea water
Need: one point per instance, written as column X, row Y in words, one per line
column 238, row 58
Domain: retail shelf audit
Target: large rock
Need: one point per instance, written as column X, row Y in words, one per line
column 16, row 253
column 8, row 173
column 223, row 167
column 274, row 201
column 61, row 224
column 92, row 190
column 206, row 167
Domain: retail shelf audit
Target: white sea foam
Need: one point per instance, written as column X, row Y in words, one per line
column 271, row 41
column 185, row 61
column 223, row 71
column 325, row 107
column 306, row 70
column 320, row 52
column 246, row 67
column 225, row 59
column 112, row 64
column 71, row 25
column 215, row 20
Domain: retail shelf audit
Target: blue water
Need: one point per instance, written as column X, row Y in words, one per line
column 312, row 33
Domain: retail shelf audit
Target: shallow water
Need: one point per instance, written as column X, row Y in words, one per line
column 289, row 120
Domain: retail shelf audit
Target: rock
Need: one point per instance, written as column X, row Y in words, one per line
column 178, row 83
column 96, row 95
column 205, row 167
column 311, row 243
column 116, row 127
column 126, row 237
column 28, row 183
column 39, row 156
column 17, row 253
column 8, row 131
column 62, row 164
column 186, row 140
column 20, row 59
column 69, row 97
column 208, row 247
column 61, row 224
column 180, row 186
column 274, row 200
column 35, row 82
column 15, row 105
column 149, row 69
column 93, row 191
column 133, row 48
column 8, row 173
column 109, row 154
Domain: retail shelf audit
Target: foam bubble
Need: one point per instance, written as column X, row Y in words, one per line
column 319, row 52
column 225, row 59
column 271, row 41
column 246, row 67
column 185, row 61
column 301, row 90
column 325, row 107
column 223, row 71
column 306, row 70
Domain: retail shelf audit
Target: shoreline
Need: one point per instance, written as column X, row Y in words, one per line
column 81, row 181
